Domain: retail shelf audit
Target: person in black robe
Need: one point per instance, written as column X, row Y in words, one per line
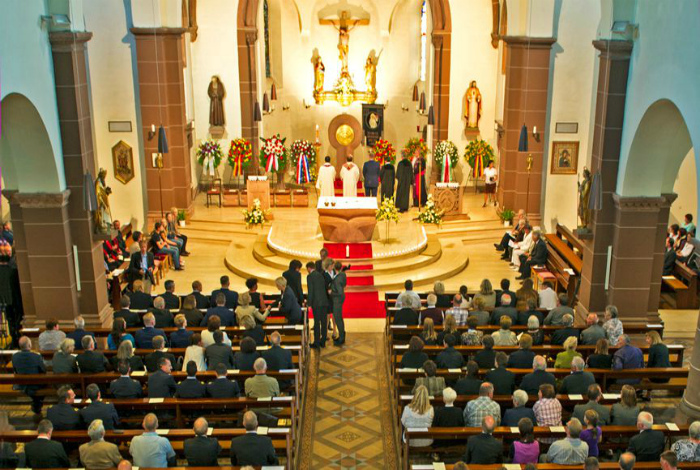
column 419, row 173
column 404, row 176
column 386, row 176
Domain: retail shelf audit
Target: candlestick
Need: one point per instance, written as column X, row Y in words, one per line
column 347, row 251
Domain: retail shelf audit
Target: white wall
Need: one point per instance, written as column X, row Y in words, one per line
column 26, row 67
column 113, row 99
column 573, row 84
column 686, row 187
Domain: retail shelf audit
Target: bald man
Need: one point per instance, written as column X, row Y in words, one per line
column 201, row 450
column 594, row 332
column 151, row 450
column 483, row 448
column 252, row 449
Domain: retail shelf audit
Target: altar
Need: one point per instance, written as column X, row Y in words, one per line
column 347, row 219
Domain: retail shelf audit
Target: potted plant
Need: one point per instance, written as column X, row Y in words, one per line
column 181, row 217
column 430, row 214
column 506, row 216
column 389, row 213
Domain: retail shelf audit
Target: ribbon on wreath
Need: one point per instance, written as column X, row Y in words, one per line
column 446, row 166
column 237, row 166
column 272, row 162
column 209, row 165
column 303, row 166
column 478, row 170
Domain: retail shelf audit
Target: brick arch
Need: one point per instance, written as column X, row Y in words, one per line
column 248, row 35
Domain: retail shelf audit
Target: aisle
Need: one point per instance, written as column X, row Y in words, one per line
column 348, row 422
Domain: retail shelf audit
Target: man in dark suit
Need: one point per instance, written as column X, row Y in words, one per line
column 99, row 410
column 139, row 299
column 42, row 452
column 406, row 316
column 288, row 304
column 579, row 380
column 319, row 303
column 470, row 383
column 507, row 310
column 228, row 318
column 532, row 381
column 449, row 358
column 252, row 449
column 160, row 383
column 201, row 299
column 180, row 338
column 27, row 362
column 125, row 386
column 519, row 410
column 132, row 319
column 338, row 284
column 537, row 257
column 152, row 360
column 62, row 415
column 164, row 319
column 370, row 174
column 523, row 357
column 484, row 449
column 505, row 289
column 277, row 358
column 172, row 301
column 319, row 262
column 79, row 332
column 669, row 258
column 648, row 444
column 91, row 361
column 559, row 336
column 222, row 387
column 230, row 295
column 219, row 353
column 191, row 387
column 524, row 316
column 142, row 265
column 144, row 336
column 594, row 394
column 202, row 450
column 502, row 379
column 293, row 277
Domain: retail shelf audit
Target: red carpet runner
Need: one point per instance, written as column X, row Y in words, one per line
column 363, row 304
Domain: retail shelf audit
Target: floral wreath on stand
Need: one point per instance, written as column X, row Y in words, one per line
column 478, row 154
column 384, row 152
column 240, row 155
column 303, row 155
column 430, row 215
column 446, row 149
column 255, row 216
column 273, row 153
column 209, row 155
column 413, row 144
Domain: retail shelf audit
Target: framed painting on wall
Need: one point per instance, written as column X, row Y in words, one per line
column 123, row 159
column 564, row 158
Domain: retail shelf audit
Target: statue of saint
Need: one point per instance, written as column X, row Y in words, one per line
column 216, row 93
column 371, row 75
column 344, row 25
column 103, row 214
column 584, row 196
column 319, row 75
column 472, row 106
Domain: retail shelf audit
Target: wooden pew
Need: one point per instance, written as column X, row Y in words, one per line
column 684, row 282
column 565, row 258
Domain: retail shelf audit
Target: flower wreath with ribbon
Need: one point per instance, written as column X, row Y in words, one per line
column 384, row 152
column 413, row 144
column 446, row 157
column 240, row 155
column 478, row 154
column 273, row 153
column 209, row 155
column 303, row 155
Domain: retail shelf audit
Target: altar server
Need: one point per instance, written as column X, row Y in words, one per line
column 350, row 175
column 326, row 176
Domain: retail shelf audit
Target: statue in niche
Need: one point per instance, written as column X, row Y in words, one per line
column 472, row 106
column 584, row 197
column 103, row 214
column 319, row 75
column 216, row 94
column 371, row 74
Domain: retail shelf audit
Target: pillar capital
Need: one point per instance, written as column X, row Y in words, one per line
column 159, row 31
column 39, row 200
column 639, row 203
column 529, row 42
column 614, row 49
column 69, row 41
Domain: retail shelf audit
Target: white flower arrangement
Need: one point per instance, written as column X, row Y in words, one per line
column 256, row 216
column 430, row 215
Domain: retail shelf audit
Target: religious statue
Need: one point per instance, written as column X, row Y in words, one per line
column 584, row 196
column 371, row 74
column 103, row 214
column 216, row 93
column 344, row 25
column 319, row 75
column 472, row 106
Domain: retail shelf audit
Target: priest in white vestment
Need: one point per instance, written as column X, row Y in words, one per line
column 350, row 175
column 326, row 177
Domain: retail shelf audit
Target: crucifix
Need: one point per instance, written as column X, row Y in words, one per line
column 344, row 25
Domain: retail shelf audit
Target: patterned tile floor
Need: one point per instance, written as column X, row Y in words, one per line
column 348, row 421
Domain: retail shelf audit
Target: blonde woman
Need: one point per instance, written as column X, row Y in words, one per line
column 565, row 357
column 658, row 354
column 443, row 300
column 418, row 414
column 125, row 353
column 429, row 336
column 505, row 337
column 247, row 309
column 487, row 294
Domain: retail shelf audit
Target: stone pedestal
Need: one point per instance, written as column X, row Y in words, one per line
column 690, row 404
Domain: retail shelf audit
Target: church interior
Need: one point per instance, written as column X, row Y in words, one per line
column 339, row 234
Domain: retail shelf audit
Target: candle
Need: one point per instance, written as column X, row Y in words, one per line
column 534, row 130
column 347, row 251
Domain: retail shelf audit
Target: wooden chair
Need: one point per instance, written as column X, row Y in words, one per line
column 216, row 190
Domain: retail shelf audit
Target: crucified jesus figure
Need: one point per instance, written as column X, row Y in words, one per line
column 344, row 25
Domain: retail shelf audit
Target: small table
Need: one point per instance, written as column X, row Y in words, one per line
column 347, row 219
column 541, row 275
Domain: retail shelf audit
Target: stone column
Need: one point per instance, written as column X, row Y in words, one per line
column 162, row 102
column 614, row 61
column 247, row 37
column 526, row 91
column 441, row 84
column 73, row 99
column 690, row 404
column 44, row 256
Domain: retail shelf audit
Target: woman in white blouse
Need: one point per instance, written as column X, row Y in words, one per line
column 195, row 352
column 418, row 414
column 213, row 324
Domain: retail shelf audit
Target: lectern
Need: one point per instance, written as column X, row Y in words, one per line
column 258, row 188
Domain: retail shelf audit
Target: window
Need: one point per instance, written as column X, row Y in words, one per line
column 423, row 39
column 267, row 39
